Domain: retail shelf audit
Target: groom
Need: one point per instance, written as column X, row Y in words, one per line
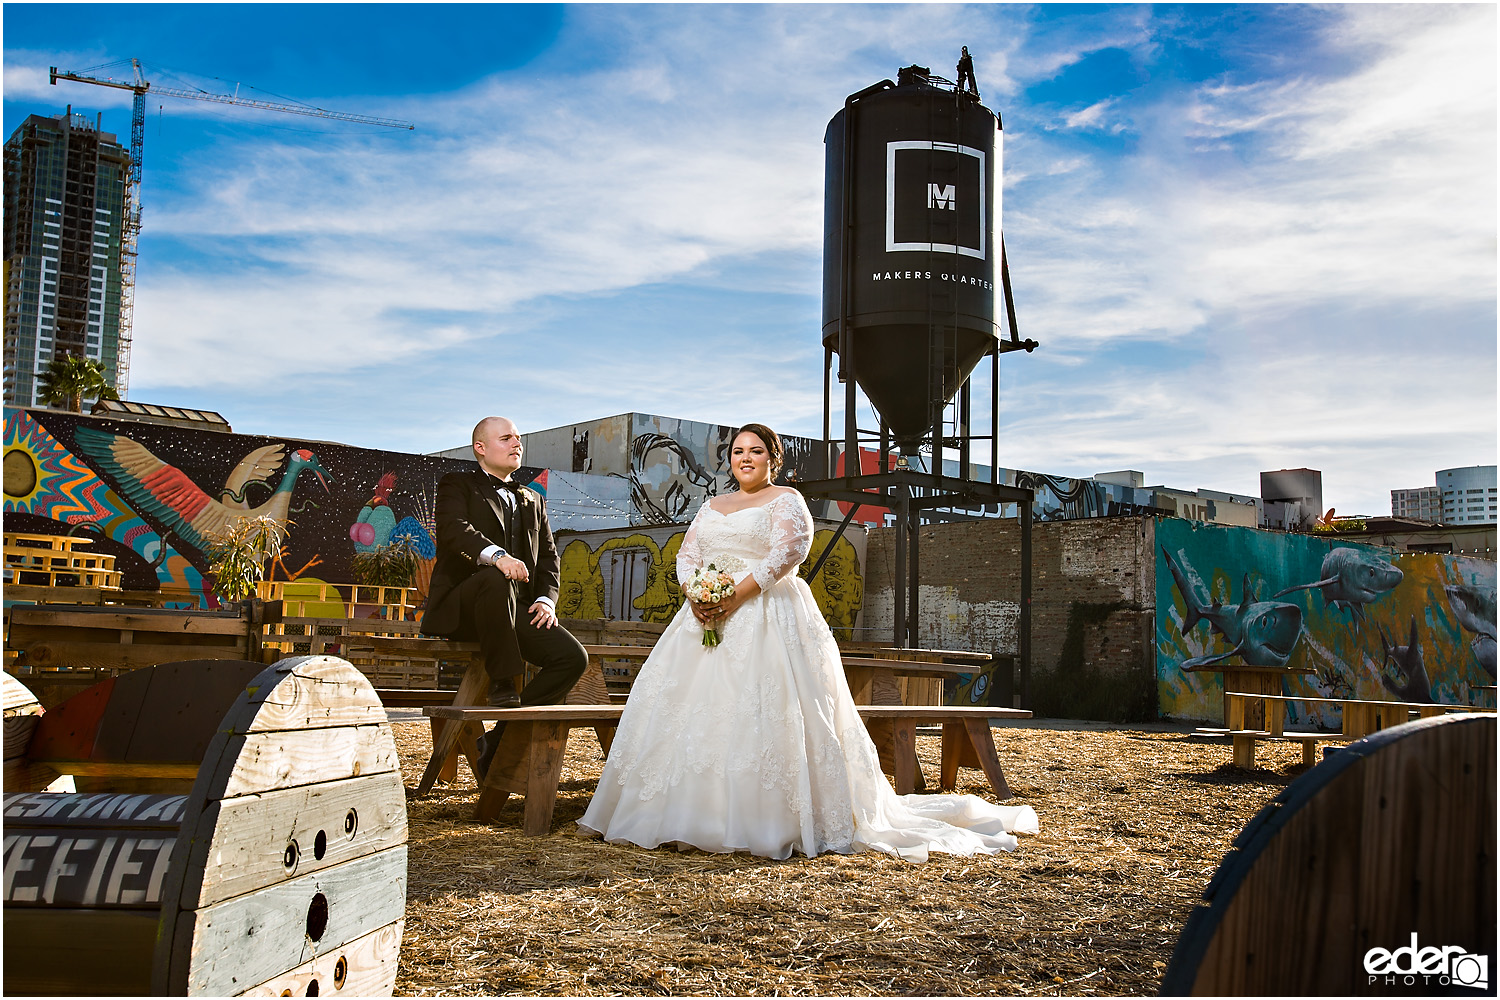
column 496, row 576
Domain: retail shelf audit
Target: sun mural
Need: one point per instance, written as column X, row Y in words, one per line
column 44, row 478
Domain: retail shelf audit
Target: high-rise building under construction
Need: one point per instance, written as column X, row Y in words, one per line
column 65, row 216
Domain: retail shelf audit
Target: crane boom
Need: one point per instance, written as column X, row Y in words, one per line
column 131, row 232
column 140, row 86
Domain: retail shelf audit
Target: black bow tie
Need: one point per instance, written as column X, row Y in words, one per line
column 505, row 484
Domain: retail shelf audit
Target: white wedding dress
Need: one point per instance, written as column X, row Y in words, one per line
column 755, row 745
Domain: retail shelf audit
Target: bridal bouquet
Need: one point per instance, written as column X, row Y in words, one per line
column 708, row 585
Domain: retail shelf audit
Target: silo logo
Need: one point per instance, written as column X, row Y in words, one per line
column 935, row 198
column 942, row 197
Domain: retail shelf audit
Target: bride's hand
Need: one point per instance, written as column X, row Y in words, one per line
column 716, row 613
column 703, row 612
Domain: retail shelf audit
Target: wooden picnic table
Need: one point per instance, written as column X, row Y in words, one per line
column 1242, row 677
column 529, row 758
column 1360, row 718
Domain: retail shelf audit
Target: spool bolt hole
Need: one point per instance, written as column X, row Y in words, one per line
column 351, row 823
column 290, row 856
column 320, row 845
column 317, row 917
column 340, row 973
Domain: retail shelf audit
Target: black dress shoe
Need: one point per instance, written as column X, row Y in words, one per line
column 503, row 695
column 488, row 744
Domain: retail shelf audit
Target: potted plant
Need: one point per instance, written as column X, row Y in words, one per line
column 393, row 565
column 238, row 555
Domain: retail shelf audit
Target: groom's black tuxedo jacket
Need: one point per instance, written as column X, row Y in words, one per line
column 470, row 518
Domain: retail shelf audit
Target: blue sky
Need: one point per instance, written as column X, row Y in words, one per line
column 1246, row 237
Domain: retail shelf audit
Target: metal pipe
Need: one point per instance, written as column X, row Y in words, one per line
column 1023, row 626
column 899, row 639
column 828, row 549
column 913, row 590
column 995, row 417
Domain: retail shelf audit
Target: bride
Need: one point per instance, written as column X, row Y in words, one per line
column 755, row 744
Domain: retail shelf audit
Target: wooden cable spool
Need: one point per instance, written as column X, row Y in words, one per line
column 1391, row 840
column 240, row 829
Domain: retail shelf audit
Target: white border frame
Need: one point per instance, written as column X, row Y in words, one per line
column 891, row 245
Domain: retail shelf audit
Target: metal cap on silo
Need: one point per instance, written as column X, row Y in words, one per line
column 911, row 253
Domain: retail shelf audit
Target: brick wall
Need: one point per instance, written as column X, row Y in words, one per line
column 1093, row 606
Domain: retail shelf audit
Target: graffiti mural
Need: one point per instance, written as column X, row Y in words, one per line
column 48, row 487
column 676, row 465
column 1365, row 622
column 631, row 575
column 152, row 494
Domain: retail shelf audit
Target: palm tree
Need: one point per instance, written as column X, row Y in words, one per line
column 71, row 377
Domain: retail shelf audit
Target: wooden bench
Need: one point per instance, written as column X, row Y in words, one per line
column 19, row 593
column 1361, row 717
column 393, row 654
column 116, row 639
column 529, row 758
column 967, row 742
column 62, row 649
column 453, row 735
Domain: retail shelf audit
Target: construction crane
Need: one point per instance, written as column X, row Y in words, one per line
column 130, row 233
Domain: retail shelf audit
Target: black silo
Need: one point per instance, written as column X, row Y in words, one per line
column 911, row 250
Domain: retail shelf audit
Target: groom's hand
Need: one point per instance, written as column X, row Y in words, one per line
column 542, row 615
column 513, row 568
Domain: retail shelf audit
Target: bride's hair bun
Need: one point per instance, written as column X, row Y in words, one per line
column 772, row 441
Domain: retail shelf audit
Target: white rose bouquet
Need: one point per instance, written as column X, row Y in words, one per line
column 708, row 585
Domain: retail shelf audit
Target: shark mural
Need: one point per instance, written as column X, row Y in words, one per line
column 1360, row 621
column 1352, row 578
column 1261, row 633
column 1474, row 607
column 1408, row 681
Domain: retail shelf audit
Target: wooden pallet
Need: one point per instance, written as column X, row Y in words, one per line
column 57, row 560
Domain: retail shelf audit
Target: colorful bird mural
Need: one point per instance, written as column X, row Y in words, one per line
column 372, row 528
column 166, row 493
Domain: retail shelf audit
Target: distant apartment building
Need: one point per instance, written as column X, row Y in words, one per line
column 64, row 219
column 1291, row 499
column 1422, row 504
column 1468, row 494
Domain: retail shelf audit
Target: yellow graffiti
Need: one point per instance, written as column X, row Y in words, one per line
column 839, row 587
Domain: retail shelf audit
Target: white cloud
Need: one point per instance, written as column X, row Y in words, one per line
column 1305, row 265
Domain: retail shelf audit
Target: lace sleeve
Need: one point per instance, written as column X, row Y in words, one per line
column 791, row 539
column 690, row 555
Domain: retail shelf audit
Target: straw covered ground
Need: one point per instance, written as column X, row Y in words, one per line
column 1133, row 825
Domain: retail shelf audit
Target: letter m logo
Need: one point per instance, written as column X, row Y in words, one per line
column 943, row 197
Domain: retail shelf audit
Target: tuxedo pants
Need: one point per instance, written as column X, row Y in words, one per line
column 489, row 615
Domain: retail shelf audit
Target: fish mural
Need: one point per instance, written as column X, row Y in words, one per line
column 1475, row 609
column 1410, row 682
column 1375, row 624
column 1261, row 633
column 1351, row 578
